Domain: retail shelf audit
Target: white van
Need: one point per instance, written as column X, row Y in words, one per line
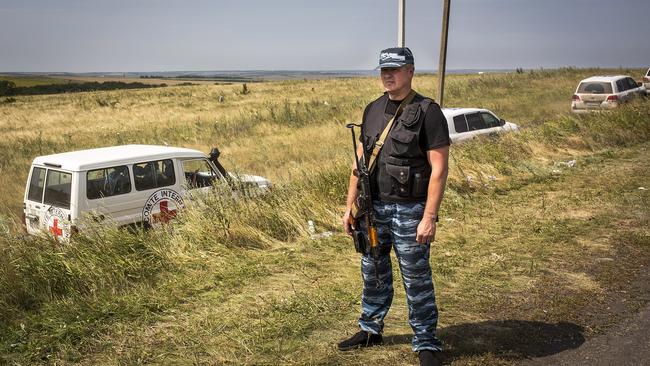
column 130, row 184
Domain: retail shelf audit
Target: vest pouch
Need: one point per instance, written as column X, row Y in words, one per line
column 420, row 184
column 410, row 115
column 400, row 177
column 404, row 141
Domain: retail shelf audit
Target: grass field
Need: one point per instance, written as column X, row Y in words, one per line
column 154, row 81
column 530, row 251
column 32, row 80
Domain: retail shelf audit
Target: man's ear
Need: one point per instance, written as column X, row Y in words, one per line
column 411, row 69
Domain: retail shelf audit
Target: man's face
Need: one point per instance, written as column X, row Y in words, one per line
column 396, row 78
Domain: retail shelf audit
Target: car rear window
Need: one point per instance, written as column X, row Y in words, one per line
column 108, row 182
column 57, row 189
column 36, row 184
column 460, row 125
column 595, row 87
column 154, row 174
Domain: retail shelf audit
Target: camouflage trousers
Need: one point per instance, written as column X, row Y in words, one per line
column 396, row 228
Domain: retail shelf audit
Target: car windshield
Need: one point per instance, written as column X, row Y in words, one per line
column 595, row 87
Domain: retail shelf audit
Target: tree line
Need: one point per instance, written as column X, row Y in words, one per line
column 9, row 88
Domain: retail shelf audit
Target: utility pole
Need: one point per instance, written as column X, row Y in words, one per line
column 401, row 37
column 443, row 50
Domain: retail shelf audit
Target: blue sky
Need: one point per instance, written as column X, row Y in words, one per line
column 165, row 35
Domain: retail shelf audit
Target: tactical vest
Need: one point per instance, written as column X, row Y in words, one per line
column 403, row 170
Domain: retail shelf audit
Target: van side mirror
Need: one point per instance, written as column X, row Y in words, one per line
column 214, row 154
column 638, row 83
column 502, row 121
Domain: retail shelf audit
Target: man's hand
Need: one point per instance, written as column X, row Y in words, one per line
column 426, row 232
column 346, row 222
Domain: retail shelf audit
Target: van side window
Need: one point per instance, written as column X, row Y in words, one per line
column 36, row 184
column 475, row 122
column 57, row 189
column 621, row 86
column 108, row 182
column 490, row 120
column 460, row 125
column 154, row 174
column 198, row 173
column 165, row 173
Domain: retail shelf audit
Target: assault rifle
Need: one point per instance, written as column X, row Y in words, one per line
column 364, row 242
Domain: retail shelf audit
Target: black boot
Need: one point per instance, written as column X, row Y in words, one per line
column 429, row 358
column 361, row 339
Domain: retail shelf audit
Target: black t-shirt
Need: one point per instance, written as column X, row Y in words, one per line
column 434, row 133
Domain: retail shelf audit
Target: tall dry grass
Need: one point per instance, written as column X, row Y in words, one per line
column 273, row 131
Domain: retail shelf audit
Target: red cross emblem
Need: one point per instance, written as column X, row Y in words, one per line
column 165, row 213
column 55, row 229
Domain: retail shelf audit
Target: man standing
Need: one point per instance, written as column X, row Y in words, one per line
column 407, row 185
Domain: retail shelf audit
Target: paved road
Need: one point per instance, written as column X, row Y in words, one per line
column 625, row 344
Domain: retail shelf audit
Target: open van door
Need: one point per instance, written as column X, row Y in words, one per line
column 47, row 202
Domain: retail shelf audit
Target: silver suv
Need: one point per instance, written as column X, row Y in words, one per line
column 604, row 92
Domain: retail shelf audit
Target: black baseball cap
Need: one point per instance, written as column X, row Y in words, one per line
column 395, row 57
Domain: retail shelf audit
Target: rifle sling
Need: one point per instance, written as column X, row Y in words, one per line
column 380, row 142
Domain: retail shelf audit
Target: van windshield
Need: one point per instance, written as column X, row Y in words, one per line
column 198, row 173
column 57, row 189
column 595, row 87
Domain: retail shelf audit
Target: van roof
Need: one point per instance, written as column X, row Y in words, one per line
column 113, row 155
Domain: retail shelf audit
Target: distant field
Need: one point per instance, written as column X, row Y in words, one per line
column 156, row 81
column 35, row 80
column 46, row 80
column 533, row 255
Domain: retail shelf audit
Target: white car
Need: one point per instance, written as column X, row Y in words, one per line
column 467, row 123
column 604, row 92
column 130, row 184
column 646, row 82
